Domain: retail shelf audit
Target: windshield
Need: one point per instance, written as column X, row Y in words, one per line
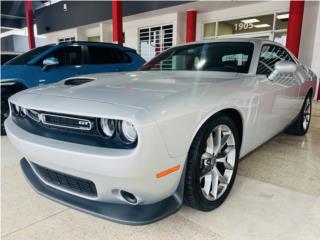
column 218, row 56
column 26, row 57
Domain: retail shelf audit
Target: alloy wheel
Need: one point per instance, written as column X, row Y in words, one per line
column 217, row 162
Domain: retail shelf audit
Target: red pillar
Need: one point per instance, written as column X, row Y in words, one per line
column 29, row 21
column 117, row 21
column 191, row 26
column 295, row 26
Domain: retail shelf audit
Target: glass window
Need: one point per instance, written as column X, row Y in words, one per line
column 282, row 20
column 224, row 56
column 28, row 56
column 209, row 30
column 70, row 55
column 107, row 55
column 246, row 25
column 269, row 56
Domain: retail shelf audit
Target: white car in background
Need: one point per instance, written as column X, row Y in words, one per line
column 132, row 147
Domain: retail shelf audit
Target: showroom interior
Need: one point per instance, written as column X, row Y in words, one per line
column 276, row 194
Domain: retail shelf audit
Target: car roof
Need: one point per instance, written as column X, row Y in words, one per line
column 86, row 43
column 255, row 41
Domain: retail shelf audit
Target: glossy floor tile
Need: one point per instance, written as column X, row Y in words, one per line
column 276, row 196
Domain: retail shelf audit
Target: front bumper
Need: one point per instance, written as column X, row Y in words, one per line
column 110, row 170
column 126, row 214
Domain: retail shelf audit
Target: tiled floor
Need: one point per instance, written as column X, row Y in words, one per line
column 276, row 196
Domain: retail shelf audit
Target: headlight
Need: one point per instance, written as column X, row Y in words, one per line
column 107, row 126
column 128, row 131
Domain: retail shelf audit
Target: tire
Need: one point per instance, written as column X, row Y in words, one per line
column 197, row 194
column 4, row 114
column 301, row 124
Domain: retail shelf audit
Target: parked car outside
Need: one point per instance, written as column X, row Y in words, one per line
column 53, row 62
column 132, row 147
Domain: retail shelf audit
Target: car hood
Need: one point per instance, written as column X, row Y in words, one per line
column 136, row 89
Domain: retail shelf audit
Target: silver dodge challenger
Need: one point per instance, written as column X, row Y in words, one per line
column 132, row 147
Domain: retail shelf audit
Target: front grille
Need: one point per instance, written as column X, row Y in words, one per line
column 66, row 122
column 66, row 181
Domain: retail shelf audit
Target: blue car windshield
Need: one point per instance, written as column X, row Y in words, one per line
column 217, row 56
column 26, row 57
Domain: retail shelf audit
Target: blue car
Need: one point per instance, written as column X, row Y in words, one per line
column 54, row 62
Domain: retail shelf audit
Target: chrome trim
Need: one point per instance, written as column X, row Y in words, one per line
column 87, row 128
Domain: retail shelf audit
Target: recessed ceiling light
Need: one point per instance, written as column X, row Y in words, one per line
column 283, row 16
column 251, row 20
column 264, row 25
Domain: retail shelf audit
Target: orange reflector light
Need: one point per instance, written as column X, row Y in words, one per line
column 168, row 171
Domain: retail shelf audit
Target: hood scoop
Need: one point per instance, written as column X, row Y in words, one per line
column 77, row 81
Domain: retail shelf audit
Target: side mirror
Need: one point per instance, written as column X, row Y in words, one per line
column 282, row 67
column 50, row 61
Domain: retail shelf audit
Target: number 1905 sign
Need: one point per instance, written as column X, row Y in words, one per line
column 242, row 26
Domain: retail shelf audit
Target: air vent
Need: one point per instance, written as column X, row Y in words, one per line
column 77, row 81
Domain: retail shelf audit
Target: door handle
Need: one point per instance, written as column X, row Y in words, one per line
column 42, row 80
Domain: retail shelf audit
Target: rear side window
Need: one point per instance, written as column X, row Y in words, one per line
column 269, row 56
column 70, row 55
column 107, row 55
column 28, row 56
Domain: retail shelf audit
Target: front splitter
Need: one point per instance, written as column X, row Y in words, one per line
column 120, row 213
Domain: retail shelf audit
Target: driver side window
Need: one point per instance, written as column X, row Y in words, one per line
column 70, row 55
column 269, row 56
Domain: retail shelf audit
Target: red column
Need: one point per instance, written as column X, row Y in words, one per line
column 191, row 26
column 117, row 21
column 295, row 26
column 29, row 21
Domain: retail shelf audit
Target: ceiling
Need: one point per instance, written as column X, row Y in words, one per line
column 13, row 14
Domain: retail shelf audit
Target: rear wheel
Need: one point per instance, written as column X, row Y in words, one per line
column 212, row 164
column 301, row 125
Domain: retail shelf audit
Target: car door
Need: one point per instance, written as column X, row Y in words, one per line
column 69, row 63
column 279, row 96
column 105, row 59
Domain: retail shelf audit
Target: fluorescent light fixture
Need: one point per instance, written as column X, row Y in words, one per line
column 283, row 16
column 251, row 20
column 264, row 25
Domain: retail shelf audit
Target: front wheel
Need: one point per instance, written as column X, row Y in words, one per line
column 212, row 164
